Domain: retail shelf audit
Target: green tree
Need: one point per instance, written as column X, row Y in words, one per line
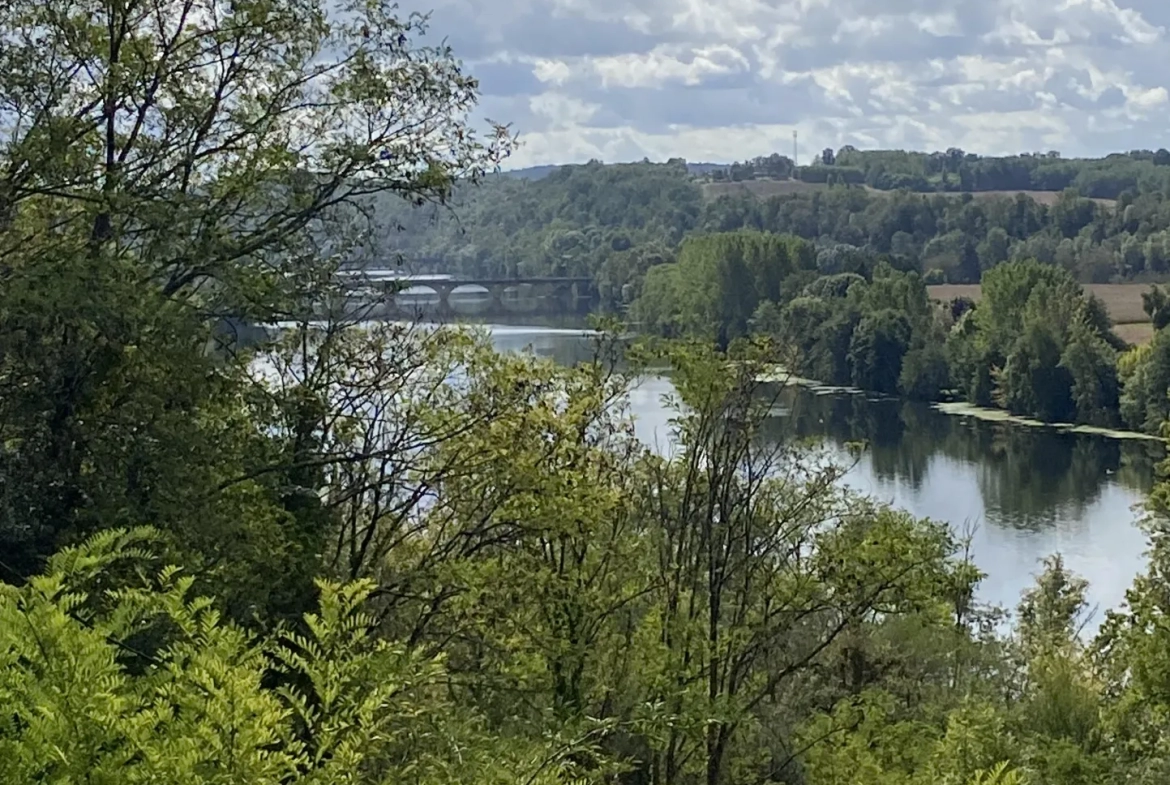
column 209, row 703
column 164, row 166
column 1156, row 304
column 876, row 350
column 994, row 248
column 1129, row 652
column 924, row 374
column 1092, row 366
column 725, row 660
column 1032, row 380
column 1145, row 377
column 1037, row 346
column 718, row 282
column 221, row 176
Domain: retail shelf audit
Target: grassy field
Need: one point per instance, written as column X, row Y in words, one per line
column 763, row 189
column 1122, row 300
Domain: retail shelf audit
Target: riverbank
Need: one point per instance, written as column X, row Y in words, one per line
column 961, row 409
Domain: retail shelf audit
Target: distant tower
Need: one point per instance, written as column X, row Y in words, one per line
column 794, row 148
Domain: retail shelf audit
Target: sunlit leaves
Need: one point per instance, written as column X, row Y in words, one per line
column 84, row 701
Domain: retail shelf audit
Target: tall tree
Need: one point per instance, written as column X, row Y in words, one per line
column 165, row 164
column 206, row 140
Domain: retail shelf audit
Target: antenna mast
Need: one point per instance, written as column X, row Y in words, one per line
column 794, row 148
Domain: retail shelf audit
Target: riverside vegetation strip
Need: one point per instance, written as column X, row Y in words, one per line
column 1036, row 344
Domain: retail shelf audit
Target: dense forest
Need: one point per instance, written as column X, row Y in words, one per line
column 385, row 553
column 614, row 222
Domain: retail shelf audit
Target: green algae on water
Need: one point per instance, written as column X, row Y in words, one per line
column 964, row 409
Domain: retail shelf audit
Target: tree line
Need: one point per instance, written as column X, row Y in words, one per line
column 1035, row 344
column 383, row 553
column 954, row 170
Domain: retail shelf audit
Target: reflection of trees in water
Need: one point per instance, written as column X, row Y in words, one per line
column 899, row 447
column 1139, row 462
column 1029, row 476
column 1026, row 476
column 1028, row 479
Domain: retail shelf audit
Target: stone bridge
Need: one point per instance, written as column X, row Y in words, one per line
column 550, row 293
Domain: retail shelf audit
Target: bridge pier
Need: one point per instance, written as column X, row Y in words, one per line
column 497, row 292
column 444, row 291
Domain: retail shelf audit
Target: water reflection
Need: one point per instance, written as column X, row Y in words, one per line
column 1028, row 477
column 1020, row 492
column 564, row 341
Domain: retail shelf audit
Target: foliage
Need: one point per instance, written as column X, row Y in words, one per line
column 1043, row 346
column 1156, row 304
column 613, row 223
column 166, row 171
column 227, row 176
column 718, row 283
column 1145, row 372
column 1036, row 344
column 925, row 374
column 210, row 703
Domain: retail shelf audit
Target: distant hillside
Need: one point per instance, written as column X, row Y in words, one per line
column 955, row 172
column 531, row 172
column 614, row 222
column 540, row 172
column 1042, row 176
column 705, row 168
column 766, row 188
column 761, row 189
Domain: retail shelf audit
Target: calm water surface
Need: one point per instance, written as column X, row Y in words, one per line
column 1021, row 492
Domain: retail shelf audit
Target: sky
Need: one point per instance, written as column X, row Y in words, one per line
column 723, row 80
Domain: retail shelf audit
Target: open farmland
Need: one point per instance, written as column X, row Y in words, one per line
column 762, row 189
column 1123, row 301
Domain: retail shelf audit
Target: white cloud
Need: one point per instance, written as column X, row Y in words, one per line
column 942, row 24
column 1144, row 98
column 552, row 71
column 663, row 66
column 562, row 111
column 725, row 79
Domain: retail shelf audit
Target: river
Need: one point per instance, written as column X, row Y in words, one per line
column 1021, row 492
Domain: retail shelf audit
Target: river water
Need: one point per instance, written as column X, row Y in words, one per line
column 1020, row 492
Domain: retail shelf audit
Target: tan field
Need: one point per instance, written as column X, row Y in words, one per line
column 1122, row 300
column 763, row 189
column 1136, row 334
